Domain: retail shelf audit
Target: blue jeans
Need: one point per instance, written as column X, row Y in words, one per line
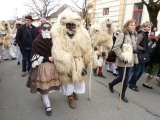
column 120, row 77
column 137, row 73
column 26, row 64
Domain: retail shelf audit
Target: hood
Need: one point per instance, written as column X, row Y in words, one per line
column 125, row 31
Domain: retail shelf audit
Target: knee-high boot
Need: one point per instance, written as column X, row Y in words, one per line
column 112, row 84
column 123, row 93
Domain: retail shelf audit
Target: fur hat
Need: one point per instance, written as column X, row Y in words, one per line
column 29, row 17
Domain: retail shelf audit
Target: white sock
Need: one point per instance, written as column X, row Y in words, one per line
column 46, row 101
column 108, row 66
column 113, row 68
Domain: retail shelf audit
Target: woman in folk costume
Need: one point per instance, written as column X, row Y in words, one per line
column 7, row 53
column 111, row 66
column 14, row 46
column 107, row 27
column 124, row 48
column 102, row 44
column 43, row 76
column 72, row 54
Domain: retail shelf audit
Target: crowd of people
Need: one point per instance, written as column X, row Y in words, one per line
column 58, row 56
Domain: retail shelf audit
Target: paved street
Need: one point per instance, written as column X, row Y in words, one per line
column 17, row 103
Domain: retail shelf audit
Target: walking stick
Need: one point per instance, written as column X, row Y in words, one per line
column 89, row 88
column 120, row 101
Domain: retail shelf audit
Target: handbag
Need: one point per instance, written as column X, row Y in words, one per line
column 111, row 56
column 143, row 57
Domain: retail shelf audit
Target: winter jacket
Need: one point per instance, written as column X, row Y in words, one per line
column 23, row 37
column 118, row 47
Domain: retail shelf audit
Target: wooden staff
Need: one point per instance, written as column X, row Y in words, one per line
column 90, row 78
column 120, row 101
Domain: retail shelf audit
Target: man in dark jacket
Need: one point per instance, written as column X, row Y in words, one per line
column 24, row 37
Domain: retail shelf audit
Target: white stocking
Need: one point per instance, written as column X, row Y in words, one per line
column 46, row 100
column 113, row 65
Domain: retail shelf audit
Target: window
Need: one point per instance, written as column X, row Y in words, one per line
column 106, row 11
column 137, row 13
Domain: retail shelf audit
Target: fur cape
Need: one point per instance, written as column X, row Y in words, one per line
column 71, row 54
column 105, row 21
column 102, row 37
column 7, row 30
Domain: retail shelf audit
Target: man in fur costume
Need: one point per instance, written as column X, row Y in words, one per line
column 7, row 41
column 72, row 54
column 102, row 42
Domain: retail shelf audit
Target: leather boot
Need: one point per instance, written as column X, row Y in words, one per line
column 95, row 71
column 71, row 101
column 112, row 84
column 123, row 93
column 101, row 75
column 111, row 87
column 75, row 96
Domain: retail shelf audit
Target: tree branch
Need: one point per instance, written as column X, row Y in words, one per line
column 144, row 2
column 75, row 2
column 157, row 2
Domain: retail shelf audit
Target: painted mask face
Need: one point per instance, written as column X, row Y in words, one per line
column 46, row 31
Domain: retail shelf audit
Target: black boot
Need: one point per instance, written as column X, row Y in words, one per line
column 111, row 88
column 101, row 75
column 123, row 93
column 95, row 71
column 111, row 85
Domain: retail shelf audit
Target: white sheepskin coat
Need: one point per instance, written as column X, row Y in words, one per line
column 102, row 37
column 7, row 38
column 71, row 55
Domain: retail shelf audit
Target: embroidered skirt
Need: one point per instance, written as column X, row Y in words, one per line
column 46, row 78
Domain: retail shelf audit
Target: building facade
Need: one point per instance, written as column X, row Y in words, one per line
column 122, row 10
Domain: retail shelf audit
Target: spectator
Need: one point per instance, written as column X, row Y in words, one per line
column 153, row 66
column 42, row 20
column 142, row 46
column 24, row 37
column 124, row 47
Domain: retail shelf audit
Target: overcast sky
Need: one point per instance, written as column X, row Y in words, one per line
column 8, row 8
column 11, row 8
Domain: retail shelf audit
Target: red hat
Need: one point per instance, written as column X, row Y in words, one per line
column 29, row 17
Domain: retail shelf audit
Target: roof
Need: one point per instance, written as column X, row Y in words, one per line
column 61, row 9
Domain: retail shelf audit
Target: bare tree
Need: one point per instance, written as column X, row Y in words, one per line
column 153, row 7
column 42, row 8
column 84, row 10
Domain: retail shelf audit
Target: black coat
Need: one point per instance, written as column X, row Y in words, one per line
column 21, row 36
